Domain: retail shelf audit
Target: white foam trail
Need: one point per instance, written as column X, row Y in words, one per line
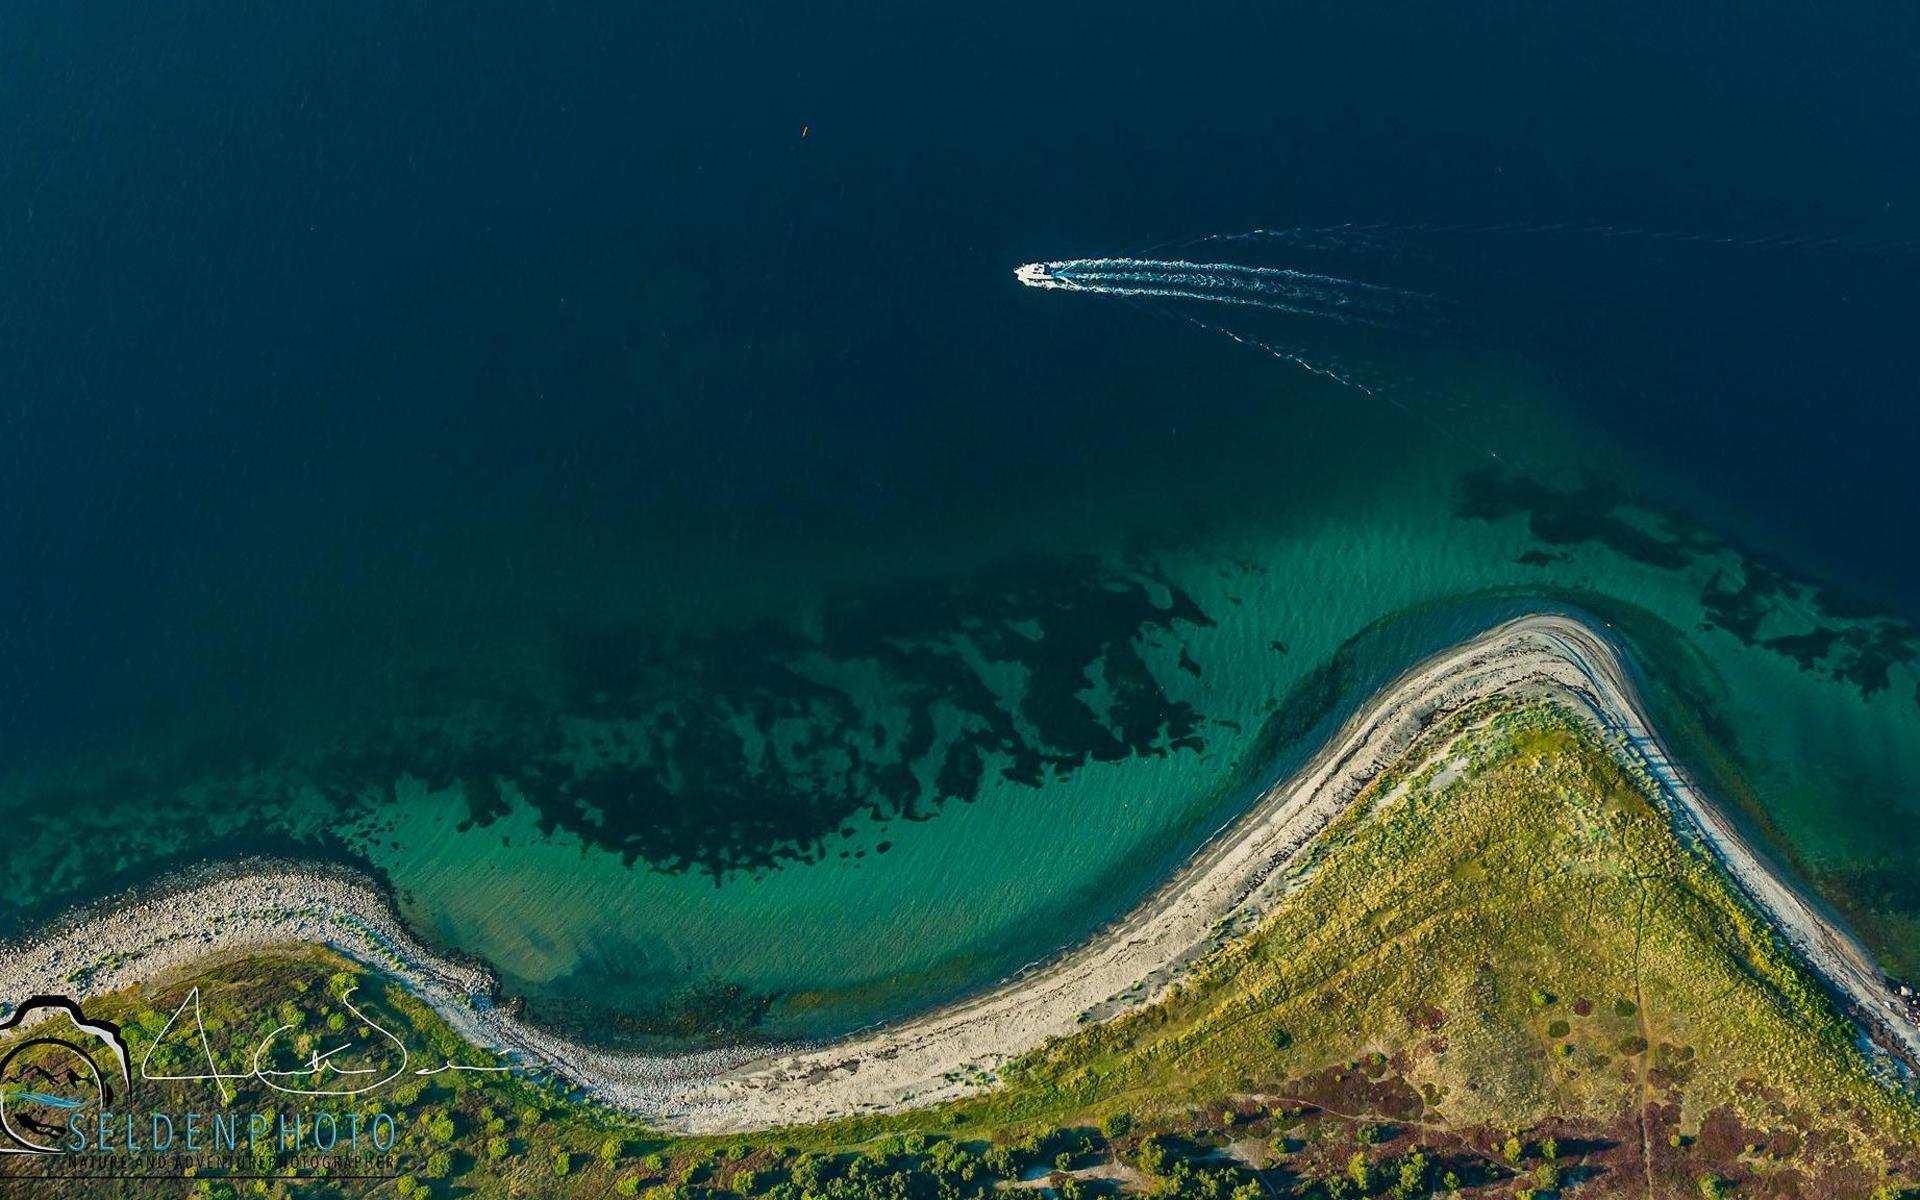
column 1300, row 293
column 1346, row 378
column 1236, row 273
column 1296, row 293
column 1290, row 355
column 1174, row 292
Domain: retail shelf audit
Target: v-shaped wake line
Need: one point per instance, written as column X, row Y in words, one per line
column 1232, row 275
column 1299, row 293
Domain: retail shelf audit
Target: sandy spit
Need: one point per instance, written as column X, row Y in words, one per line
column 956, row 1050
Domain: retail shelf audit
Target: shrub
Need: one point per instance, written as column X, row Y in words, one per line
column 745, row 1182
column 1152, row 1156
column 808, row 1172
column 999, row 1160
column 629, row 1185
column 1116, row 1125
column 1360, row 1171
column 1412, row 1175
column 1559, row 1029
column 562, row 1164
column 1512, row 1150
column 497, row 1148
column 1278, row 1038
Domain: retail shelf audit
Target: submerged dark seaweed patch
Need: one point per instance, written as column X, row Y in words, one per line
column 1306, row 705
column 713, row 1013
column 745, row 749
column 1881, row 899
column 740, row 752
column 1851, row 640
column 1589, row 513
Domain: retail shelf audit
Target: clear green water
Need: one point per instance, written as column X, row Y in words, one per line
column 1372, row 580
column 1332, row 551
column 533, row 471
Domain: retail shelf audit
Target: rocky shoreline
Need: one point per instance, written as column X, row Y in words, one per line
column 956, row 1050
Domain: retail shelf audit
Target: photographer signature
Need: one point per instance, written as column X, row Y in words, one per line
column 319, row 1067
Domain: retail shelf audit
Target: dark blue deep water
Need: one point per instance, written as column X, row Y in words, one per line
column 370, row 369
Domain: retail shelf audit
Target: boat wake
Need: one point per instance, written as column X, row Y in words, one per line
column 1300, row 293
column 1375, row 307
column 1302, row 300
column 1320, row 298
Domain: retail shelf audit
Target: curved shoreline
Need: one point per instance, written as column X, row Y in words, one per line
column 953, row 1051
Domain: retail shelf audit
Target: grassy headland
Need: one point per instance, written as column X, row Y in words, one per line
column 1500, row 973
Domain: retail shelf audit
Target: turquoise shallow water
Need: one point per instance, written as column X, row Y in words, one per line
column 1337, row 546
column 675, row 555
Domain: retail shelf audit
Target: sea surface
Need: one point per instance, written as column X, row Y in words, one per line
column 593, row 467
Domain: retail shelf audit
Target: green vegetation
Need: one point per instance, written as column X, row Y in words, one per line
column 1501, row 974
